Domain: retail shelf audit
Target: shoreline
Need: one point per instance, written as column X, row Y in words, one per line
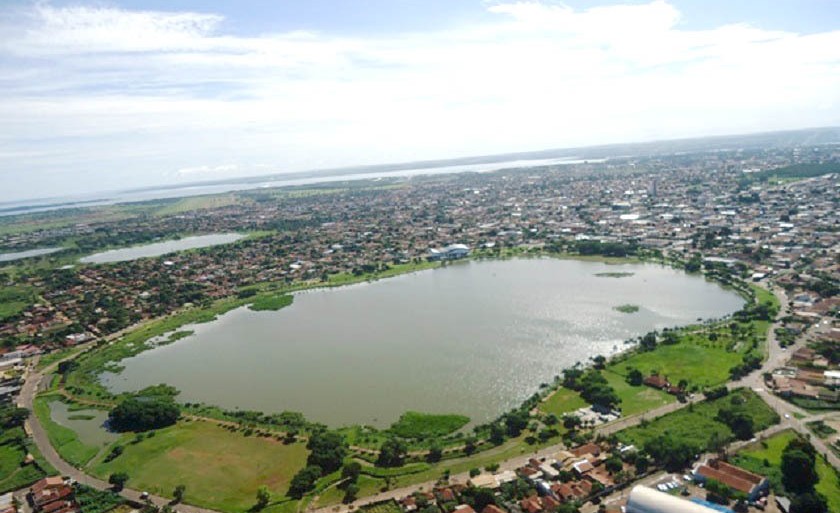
column 621, row 348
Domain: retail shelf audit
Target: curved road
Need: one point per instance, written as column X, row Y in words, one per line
column 31, row 387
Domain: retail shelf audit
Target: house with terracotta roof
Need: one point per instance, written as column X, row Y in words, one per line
column 744, row 481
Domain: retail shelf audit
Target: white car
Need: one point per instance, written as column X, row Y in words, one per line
column 787, row 415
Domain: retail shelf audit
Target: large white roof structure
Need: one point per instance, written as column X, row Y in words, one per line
column 647, row 500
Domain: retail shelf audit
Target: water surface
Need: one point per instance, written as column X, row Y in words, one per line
column 474, row 338
column 17, row 255
column 91, row 431
column 160, row 248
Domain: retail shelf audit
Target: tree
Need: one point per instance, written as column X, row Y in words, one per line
column 143, row 413
column 810, row 502
column 600, row 361
column 263, row 497
column 738, row 421
column 351, row 471
column 642, row 464
column 483, row 498
column 178, row 494
column 304, row 481
column 571, row 422
column 648, row 342
column 515, row 422
column 118, row 480
column 392, row 453
column 470, row 445
column 669, row 452
column 497, row 434
column 350, row 493
column 435, row 453
column 328, row 451
column 12, row 416
column 799, row 474
column 613, row 465
column 635, row 377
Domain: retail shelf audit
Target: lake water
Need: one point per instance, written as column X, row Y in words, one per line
column 160, row 248
column 474, row 338
column 91, row 431
column 17, row 255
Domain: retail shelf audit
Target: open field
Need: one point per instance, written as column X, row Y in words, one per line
column 14, row 446
column 697, row 422
column 562, row 401
column 220, row 469
column 635, row 400
column 14, row 300
column 698, row 364
column 765, row 458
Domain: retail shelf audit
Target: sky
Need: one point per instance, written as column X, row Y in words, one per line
column 109, row 95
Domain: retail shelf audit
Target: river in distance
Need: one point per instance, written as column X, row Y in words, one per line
column 474, row 338
column 160, row 248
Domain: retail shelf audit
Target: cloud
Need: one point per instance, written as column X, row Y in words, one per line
column 129, row 97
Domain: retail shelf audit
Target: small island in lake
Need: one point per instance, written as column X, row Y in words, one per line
column 628, row 309
column 614, row 275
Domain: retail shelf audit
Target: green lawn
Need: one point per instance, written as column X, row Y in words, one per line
column 769, row 451
column 635, row 400
column 13, row 449
column 413, row 424
column 698, row 364
column 65, row 440
column 562, row 401
column 697, row 424
column 14, row 300
column 220, row 469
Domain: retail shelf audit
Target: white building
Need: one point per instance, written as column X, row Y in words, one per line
column 647, row 500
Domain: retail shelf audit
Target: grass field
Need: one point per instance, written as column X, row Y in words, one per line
column 220, row 469
column 635, row 400
column 414, row 424
column 13, row 449
column 562, row 401
column 696, row 424
column 765, row 458
column 698, row 364
column 14, row 300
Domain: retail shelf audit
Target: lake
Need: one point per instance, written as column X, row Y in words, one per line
column 160, row 248
column 474, row 338
column 89, row 425
column 17, row 255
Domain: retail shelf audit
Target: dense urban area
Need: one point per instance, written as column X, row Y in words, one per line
column 736, row 414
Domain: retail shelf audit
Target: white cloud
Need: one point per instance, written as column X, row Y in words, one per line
column 134, row 97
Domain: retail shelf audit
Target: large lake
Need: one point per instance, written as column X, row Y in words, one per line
column 474, row 338
column 160, row 248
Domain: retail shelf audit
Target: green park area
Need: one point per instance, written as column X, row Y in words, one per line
column 700, row 356
column 220, row 469
column 17, row 469
column 765, row 458
column 14, row 300
column 703, row 426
